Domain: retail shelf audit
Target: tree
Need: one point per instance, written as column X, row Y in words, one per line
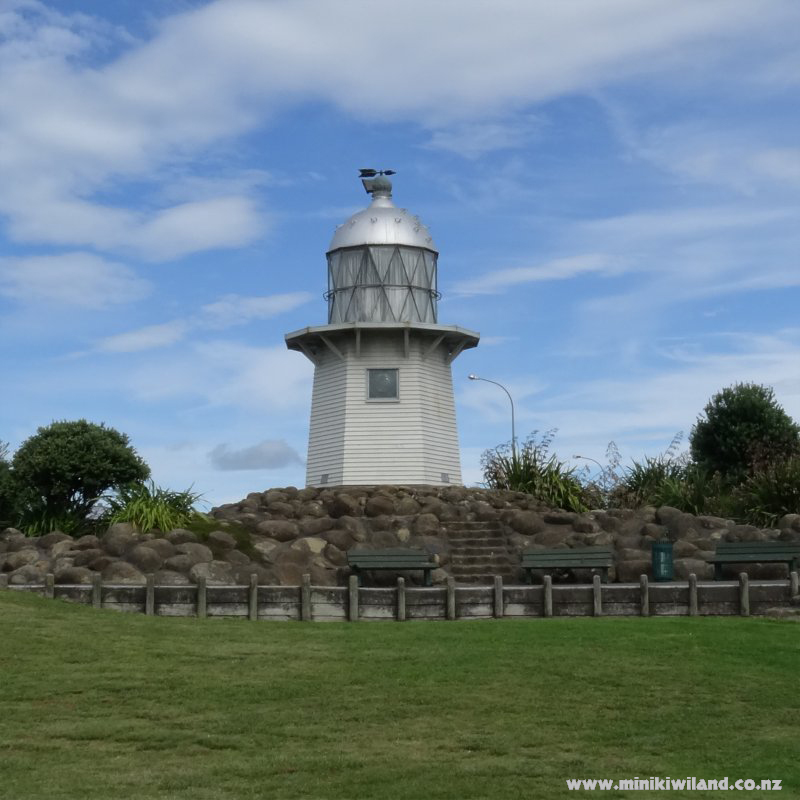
column 6, row 492
column 744, row 429
column 61, row 471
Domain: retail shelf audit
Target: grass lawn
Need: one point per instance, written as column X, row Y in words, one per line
column 96, row 704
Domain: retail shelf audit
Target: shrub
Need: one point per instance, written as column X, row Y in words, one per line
column 535, row 472
column 770, row 493
column 643, row 483
column 7, row 504
column 59, row 473
column 744, row 429
column 149, row 507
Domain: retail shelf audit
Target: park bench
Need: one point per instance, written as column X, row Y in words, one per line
column 754, row 553
column 561, row 558
column 396, row 558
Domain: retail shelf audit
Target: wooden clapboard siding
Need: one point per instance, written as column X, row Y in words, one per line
column 357, row 441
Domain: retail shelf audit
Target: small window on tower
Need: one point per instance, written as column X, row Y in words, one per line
column 382, row 384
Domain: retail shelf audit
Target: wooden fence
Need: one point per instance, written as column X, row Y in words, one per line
column 354, row 602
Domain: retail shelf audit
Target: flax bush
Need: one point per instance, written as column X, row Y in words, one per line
column 535, row 471
column 149, row 507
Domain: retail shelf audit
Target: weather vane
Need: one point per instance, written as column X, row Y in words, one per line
column 372, row 183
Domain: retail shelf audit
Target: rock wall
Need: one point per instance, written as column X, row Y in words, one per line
column 296, row 531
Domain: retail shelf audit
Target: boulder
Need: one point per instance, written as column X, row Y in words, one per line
column 311, row 508
column 15, row 540
column 527, row 523
column 242, row 573
column 336, row 556
column 145, row 559
column 221, row 541
column 484, row 512
column 83, row 558
column 313, row 544
column 631, row 571
column 218, row 572
column 552, row 537
column 686, row 566
column 73, row 575
column 87, row 542
column 278, row 496
column 122, row 572
column 199, row 553
column 163, row 547
column 560, row 517
column 313, row 526
column 119, row 538
column 403, row 535
column 49, row 539
column 265, row 549
column 379, row 505
column 585, row 524
column 383, row 539
column 654, row 531
column 61, row 547
column 281, row 510
column 323, row 575
column 354, row 527
column 168, row 577
column 684, row 549
column 439, row 576
column 181, row 536
column 180, row 563
column 426, row 525
column 236, row 557
column 790, row 521
column 280, row 529
column 20, row 558
column 407, row 507
column 8, row 533
column 343, row 504
column 101, row 562
column 29, row 573
column 433, row 505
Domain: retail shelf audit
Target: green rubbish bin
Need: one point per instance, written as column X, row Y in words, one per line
column 663, row 568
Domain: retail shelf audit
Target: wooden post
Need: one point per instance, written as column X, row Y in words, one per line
column 451, row 598
column 252, row 598
column 3, row 581
column 644, row 590
column 352, row 609
column 202, row 598
column 49, row 586
column 794, row 584
column 744, row 594
column 597, row 597
column 548, row 595
column 97, row 590
column 401, row 599
column 305, row 598
column 150, row 595
column 693, row 595
column 498, row 597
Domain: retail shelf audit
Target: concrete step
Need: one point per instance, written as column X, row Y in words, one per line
column 479, row 550
column 483, row 570
column 488, row 541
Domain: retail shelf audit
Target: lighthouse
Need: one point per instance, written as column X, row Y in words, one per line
column 382, row 408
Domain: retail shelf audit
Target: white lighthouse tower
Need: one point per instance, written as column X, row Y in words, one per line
column 382, row 409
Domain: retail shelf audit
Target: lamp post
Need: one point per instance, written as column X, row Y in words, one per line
column 586, row 458
column 510, row 400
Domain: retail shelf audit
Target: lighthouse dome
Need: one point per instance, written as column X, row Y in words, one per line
column 382, row 223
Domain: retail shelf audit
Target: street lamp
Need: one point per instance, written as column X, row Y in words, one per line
column 586, row 458
column 510, row 399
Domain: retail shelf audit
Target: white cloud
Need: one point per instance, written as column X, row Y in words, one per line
column 147, row 338
column 558, row 269
column 84, row 119
column 269, row 454
column 81, row 280
column 229, row 311
column 474, row 139
column 234, row 309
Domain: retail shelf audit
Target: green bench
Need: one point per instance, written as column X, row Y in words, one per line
column 754, row 553
column 577, row 558
column 396, row 558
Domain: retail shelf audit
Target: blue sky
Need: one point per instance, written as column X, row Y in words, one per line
column 612, row 186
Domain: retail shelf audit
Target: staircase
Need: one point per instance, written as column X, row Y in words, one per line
column 479, row 551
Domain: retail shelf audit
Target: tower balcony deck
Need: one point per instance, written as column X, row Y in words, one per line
column 312, row 340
